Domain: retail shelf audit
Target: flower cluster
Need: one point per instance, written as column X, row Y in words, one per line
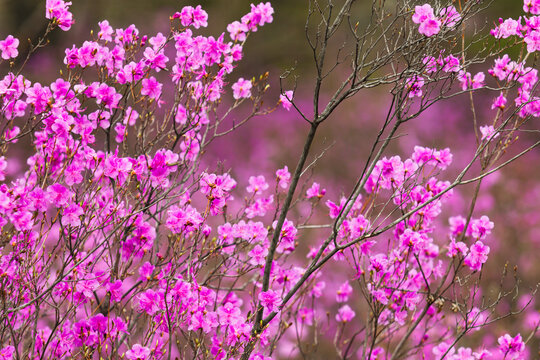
column 430, row 24
column 120, row 241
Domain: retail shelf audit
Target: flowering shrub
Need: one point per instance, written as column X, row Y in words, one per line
column 119, row 241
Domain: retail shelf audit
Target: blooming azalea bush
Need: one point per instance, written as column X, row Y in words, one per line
column 120, row 240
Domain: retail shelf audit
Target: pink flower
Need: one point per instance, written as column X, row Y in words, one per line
column 242, row 89
column 318, row 288
column 502, row 67
column 344, row 291
column 533, row 41
column 477, row 256
column 59, row 195
column 414, row 86
column 429, row 24
column 531, row 6
column 442, row 349
column 430, row 27
column 115, row 289
column 257, row 184
column 196, row 17
column 58, row 10
column 257, row 256
column 283, row 177
column 237, row 30
column 511, row 347
column 422, row 13
column 451, row 64
column 7, row 353
column 305, row 316
column 183, row 220
column 345, row 314
column 449, row 16
column 488, row 132
column 468, row 82
column 507, row 28
column 478, row 80
column 259, row 15
column 105, row 31
column 315, row 191
column 71, row 215
column 285, row 99
column 151, row 87
column 138, row 352
column 9, row 47
column 3, row 166
column 500, row 102
column 229, row 314
column 482, row 227
column 270, row 300
column 151, row 302
column 455, row 249
column 260, row 207
column 145, row 271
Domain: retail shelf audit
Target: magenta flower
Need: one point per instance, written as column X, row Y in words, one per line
column 259, row 15
column 237, row 31
column 430, row 27
column 105, row 31
column 257, row 255
column 317, row 289
column 151, row 302
column 482, row 227
column 511, row 347
column 455, row 249
column 3, row 166
column 203, row 320
column 138, row 352
column 7, row 353
column 429, row 24
column 184, row 220
column 115, row 289
column 285, row 99
column 270, row 300
column 151, row 88
column 283, row 177
column 507, row 28
column 155, row 59
column 145, row 271
column 260, row 207
column 533, row 41
column 478, row 254
column 449, row 16
column 422, row 13
column 502, row 67
column 451, row 64
column 9, row 47
column 71, row 215
column 500, row 102
column 315, row 191
column 196, row 17
column 488, row 132
column 229, row 314
column 532, row 6
column 345, row 314
column 344, row 291
column 242, row 89
column 59, row 195
column 58, row 10
column 414, row 86
column 257, row 184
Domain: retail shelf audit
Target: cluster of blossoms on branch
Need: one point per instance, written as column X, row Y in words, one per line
column 119, row 242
